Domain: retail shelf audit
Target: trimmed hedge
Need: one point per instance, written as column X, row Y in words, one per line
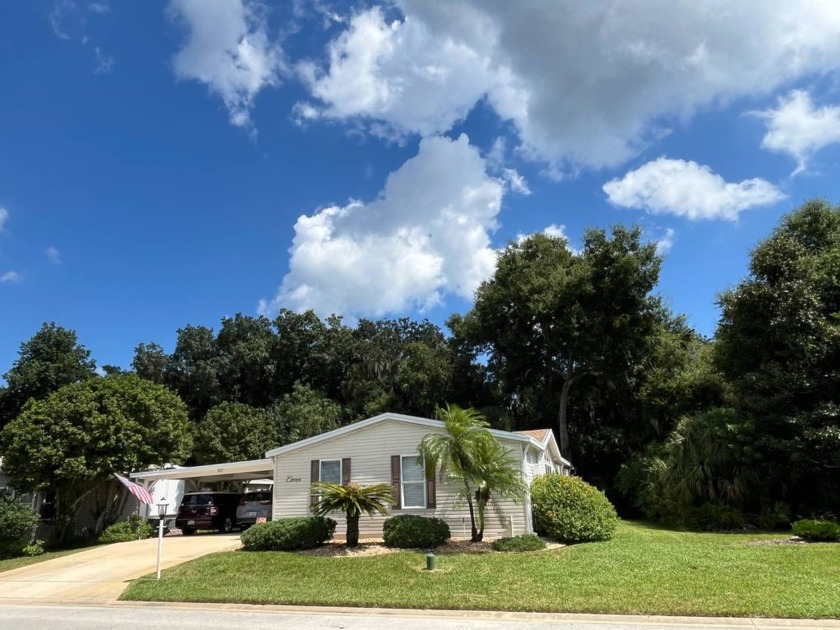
column 814, row 530
column 523, row 542
column 570, row 510
column 408, row 531
column 135, row 528
column 289, row 534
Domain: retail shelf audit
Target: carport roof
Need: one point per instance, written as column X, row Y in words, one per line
column 229, row 471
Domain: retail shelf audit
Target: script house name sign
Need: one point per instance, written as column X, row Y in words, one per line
column 291, row 479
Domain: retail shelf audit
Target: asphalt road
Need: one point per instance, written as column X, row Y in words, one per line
column 128, row 617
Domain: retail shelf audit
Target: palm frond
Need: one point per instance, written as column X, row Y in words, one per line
column 353, row 498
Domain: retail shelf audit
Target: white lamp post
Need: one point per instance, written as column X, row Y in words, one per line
column 161, row 506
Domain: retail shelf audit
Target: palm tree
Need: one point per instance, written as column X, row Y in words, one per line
column 353, row 499
column 495, row 473
column 470, row 456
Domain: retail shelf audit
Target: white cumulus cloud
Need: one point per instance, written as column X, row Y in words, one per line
column 399, row 72
column 10, row 277
column 688, row 189
column 583, row 83
column 53, row 255
column 229, row 50
column 665, row 242
column 800, row 129
column 426, row 235
column 4, row 216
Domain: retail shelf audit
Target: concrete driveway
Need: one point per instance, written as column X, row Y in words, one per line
column 99, row 575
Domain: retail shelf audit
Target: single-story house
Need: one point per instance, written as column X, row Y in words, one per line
column 382, row 449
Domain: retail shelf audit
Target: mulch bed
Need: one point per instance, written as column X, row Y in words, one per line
column 793, row 540
column 375, row 547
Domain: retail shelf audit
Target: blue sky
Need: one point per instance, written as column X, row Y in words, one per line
column 165, row 163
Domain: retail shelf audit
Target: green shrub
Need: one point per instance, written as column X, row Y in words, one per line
column 17, row 520
column 523, row 542
column 17, row 526
column 35, row 548
column 815, row 530
column 134, row 528
column 289, row 534
column 407, row 531
column 570, row 510
column 776, row 516
column 712, row 517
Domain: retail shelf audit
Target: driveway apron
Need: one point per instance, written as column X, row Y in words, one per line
column 99, row 575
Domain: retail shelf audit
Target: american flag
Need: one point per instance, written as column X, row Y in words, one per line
column 143, row 495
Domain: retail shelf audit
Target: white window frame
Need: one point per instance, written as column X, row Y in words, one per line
column 321, row 469
column 403, row 506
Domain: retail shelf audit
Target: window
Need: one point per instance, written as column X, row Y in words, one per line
column 413, row 481
column 532, row 456
column 548, row 469
column 330, row 471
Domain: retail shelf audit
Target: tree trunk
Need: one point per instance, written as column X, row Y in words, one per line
column 481, row 501
column 352, row 530
column 473, row 528
column 562, row 422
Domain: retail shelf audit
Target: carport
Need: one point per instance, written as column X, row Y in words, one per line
column 171, row 483
column 197, row 476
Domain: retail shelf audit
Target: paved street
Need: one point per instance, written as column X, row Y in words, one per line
column 100, row 574
column 210, row 617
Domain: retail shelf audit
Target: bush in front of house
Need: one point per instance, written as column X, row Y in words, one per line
column 407, row 531
column 289, row 534
column 570, row 510
column 17, row 527
column 135, row 528
column 523, row 542
column 817, row 530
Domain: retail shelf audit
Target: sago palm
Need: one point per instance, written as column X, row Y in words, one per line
column 354, row 500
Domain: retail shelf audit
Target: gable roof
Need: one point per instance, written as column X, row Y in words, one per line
column 539, row 435
column 394, row 417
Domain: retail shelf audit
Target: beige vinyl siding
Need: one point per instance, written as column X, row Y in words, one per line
column 370, row 450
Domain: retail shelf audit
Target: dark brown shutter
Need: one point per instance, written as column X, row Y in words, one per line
column 395, row 481
column 314, row 476
column 431, row 489
column 345, row 471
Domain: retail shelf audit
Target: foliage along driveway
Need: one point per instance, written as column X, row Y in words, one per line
column 100, row 574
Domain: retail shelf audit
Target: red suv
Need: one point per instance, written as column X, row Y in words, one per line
column 207, row 510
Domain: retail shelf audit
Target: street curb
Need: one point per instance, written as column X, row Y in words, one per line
column 755, row 623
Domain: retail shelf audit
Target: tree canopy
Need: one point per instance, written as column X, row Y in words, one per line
column 233, row 431
column 52, row 358
column 86, row 432
column 778, row 344
column 551, row 317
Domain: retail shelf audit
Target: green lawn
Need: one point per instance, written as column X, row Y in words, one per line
column 16, row 563
column 643, row 570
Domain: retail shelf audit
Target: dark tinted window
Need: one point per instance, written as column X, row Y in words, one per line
column 257, row 496
column 198, row 499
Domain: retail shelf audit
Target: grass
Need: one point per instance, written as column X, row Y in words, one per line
column 17, row 563
column 643, row 570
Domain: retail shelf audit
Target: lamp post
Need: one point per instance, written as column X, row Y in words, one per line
column 161, row 506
